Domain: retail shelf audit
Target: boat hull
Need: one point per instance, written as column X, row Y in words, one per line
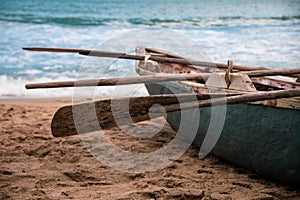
column 260, row 138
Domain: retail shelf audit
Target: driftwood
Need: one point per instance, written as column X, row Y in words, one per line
column 90, row 116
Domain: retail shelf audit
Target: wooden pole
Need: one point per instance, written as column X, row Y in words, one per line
column 152, row 79
column 243, row 98
column 121, row 55
column 120, row 81
column 272, row 72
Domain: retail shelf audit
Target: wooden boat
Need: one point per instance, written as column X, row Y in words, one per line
column 263, row 136
column 260, row 136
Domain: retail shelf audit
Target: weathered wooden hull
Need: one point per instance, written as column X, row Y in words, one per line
column 260, row 138
column 263, row 137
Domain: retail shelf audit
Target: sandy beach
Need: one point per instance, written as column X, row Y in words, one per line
column 35, row 165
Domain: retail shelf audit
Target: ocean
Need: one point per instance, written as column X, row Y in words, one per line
column 255, row 33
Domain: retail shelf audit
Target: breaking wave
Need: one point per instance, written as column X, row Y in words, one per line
column 153, row 22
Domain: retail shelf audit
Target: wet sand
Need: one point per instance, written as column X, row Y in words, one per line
column 35, row 165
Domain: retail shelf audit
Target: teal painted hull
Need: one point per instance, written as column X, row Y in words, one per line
column 260, row 138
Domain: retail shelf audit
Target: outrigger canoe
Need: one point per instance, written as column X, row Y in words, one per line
column 263, row 136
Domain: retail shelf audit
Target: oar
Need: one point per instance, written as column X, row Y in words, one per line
column 63, row 123
column 91, row 116
column 88, row 52
column 152, row 79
